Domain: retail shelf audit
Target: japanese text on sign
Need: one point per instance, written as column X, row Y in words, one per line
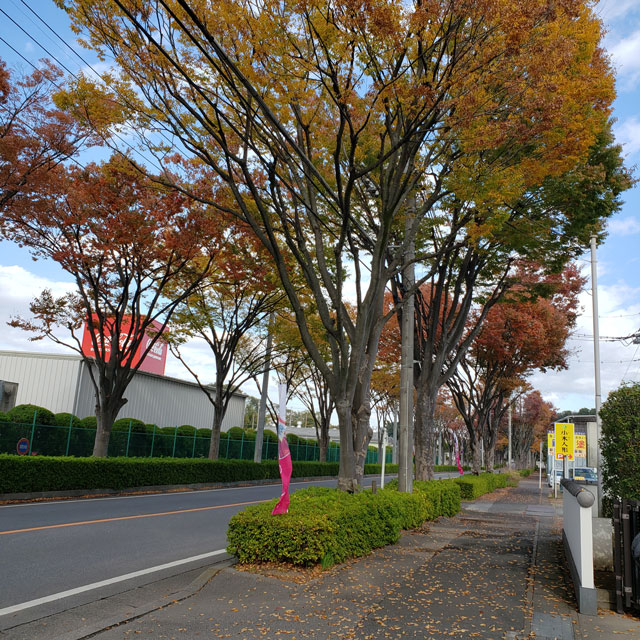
column 564, row 440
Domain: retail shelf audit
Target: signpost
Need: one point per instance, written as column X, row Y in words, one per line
column 565, row 449
column 22, row 447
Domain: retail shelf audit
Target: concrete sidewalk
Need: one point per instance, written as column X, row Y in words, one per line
column 495, row 571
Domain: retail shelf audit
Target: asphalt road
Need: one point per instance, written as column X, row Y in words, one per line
column 56, row 554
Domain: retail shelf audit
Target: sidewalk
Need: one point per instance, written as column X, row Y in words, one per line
column 495, row 571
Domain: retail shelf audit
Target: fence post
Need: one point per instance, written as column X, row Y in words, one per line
column 242, row 446
column 175, row 437
column 33, row 429
column 153, row 440
column 227, row 454
column 193, row 450
column 306, row 450
column 66, row 453
column 126, row 453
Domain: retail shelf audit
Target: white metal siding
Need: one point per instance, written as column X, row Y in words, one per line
column 62, row 383
column 45, row 380
column 166, row 402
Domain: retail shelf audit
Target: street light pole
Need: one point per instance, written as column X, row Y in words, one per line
column 509, row 423
column 596, row 363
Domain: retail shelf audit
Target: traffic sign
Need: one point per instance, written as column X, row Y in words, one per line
column 564, row 440
column 22, row 447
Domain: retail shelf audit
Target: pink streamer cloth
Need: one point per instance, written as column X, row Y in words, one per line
column 285, row 466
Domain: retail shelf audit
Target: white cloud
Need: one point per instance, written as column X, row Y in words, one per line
column 574, row 388
column 611, row 10
column 626, row 58
column 628, row 134
column 623, row 226
column 18, row 287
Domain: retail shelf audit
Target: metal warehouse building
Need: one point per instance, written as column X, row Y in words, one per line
column 61, row 383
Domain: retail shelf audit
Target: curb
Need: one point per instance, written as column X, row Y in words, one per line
column 165, row 488
column 91, row 630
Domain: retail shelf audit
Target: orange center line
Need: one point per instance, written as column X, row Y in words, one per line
column 144, row 515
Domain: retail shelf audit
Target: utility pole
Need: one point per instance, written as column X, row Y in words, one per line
column 394, row 453
column 596, row 364
column 262, row 412
column 405, row 470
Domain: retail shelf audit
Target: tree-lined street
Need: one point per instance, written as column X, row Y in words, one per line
column 47, row 548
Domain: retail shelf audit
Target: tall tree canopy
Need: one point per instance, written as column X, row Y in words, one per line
column 125, row 243
column 331, row 122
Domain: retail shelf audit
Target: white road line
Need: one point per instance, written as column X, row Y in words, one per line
column 104, row 583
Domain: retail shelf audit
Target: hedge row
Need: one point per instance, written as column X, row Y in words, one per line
column 472, row 487
column 20, row 474
column 325, row 526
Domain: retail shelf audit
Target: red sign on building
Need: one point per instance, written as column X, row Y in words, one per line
column 153, row 362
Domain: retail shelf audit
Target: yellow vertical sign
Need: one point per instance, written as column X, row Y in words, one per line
column 550, row 441
column 564, row 440
column 581, row 445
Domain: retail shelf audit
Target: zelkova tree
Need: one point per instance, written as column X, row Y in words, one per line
column 224, row 310
column 35, row 136
column 124, row 242
column 549, row 223
column 526, row 331
column 332, row 123
column 531, row 419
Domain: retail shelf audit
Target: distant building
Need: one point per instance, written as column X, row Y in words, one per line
column 61, row 383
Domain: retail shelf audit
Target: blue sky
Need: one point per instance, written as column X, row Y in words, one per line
column 618, row 259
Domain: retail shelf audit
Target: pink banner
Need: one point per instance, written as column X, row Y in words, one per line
column 460, row 469
column 284, row 455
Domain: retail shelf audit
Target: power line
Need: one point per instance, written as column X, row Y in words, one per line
column 629, row 365
column 61, row 64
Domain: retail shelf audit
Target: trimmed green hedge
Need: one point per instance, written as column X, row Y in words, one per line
column 20, row 474
column 25, row 413
column 472, row 487
column 326, row 525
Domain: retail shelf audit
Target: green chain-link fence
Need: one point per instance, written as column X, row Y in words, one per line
column 51, row 440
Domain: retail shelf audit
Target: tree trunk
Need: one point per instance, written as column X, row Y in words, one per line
column 424, row 433
column 347, row 472
column 490, row 442
column 105, row 416
column 216, row 427
column 323, row 443
column 362, row 436
column 475, row 442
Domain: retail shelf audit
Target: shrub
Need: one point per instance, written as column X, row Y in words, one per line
column 525, row 473
column 235, row 433
column 204, row 433
column 48, row 473
column 24, row 413
column 472, row 487
column 621, row 442
column 122, row 424
column 66, row 419
column 90, row 422
column 325, row 525
column 269, row 436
